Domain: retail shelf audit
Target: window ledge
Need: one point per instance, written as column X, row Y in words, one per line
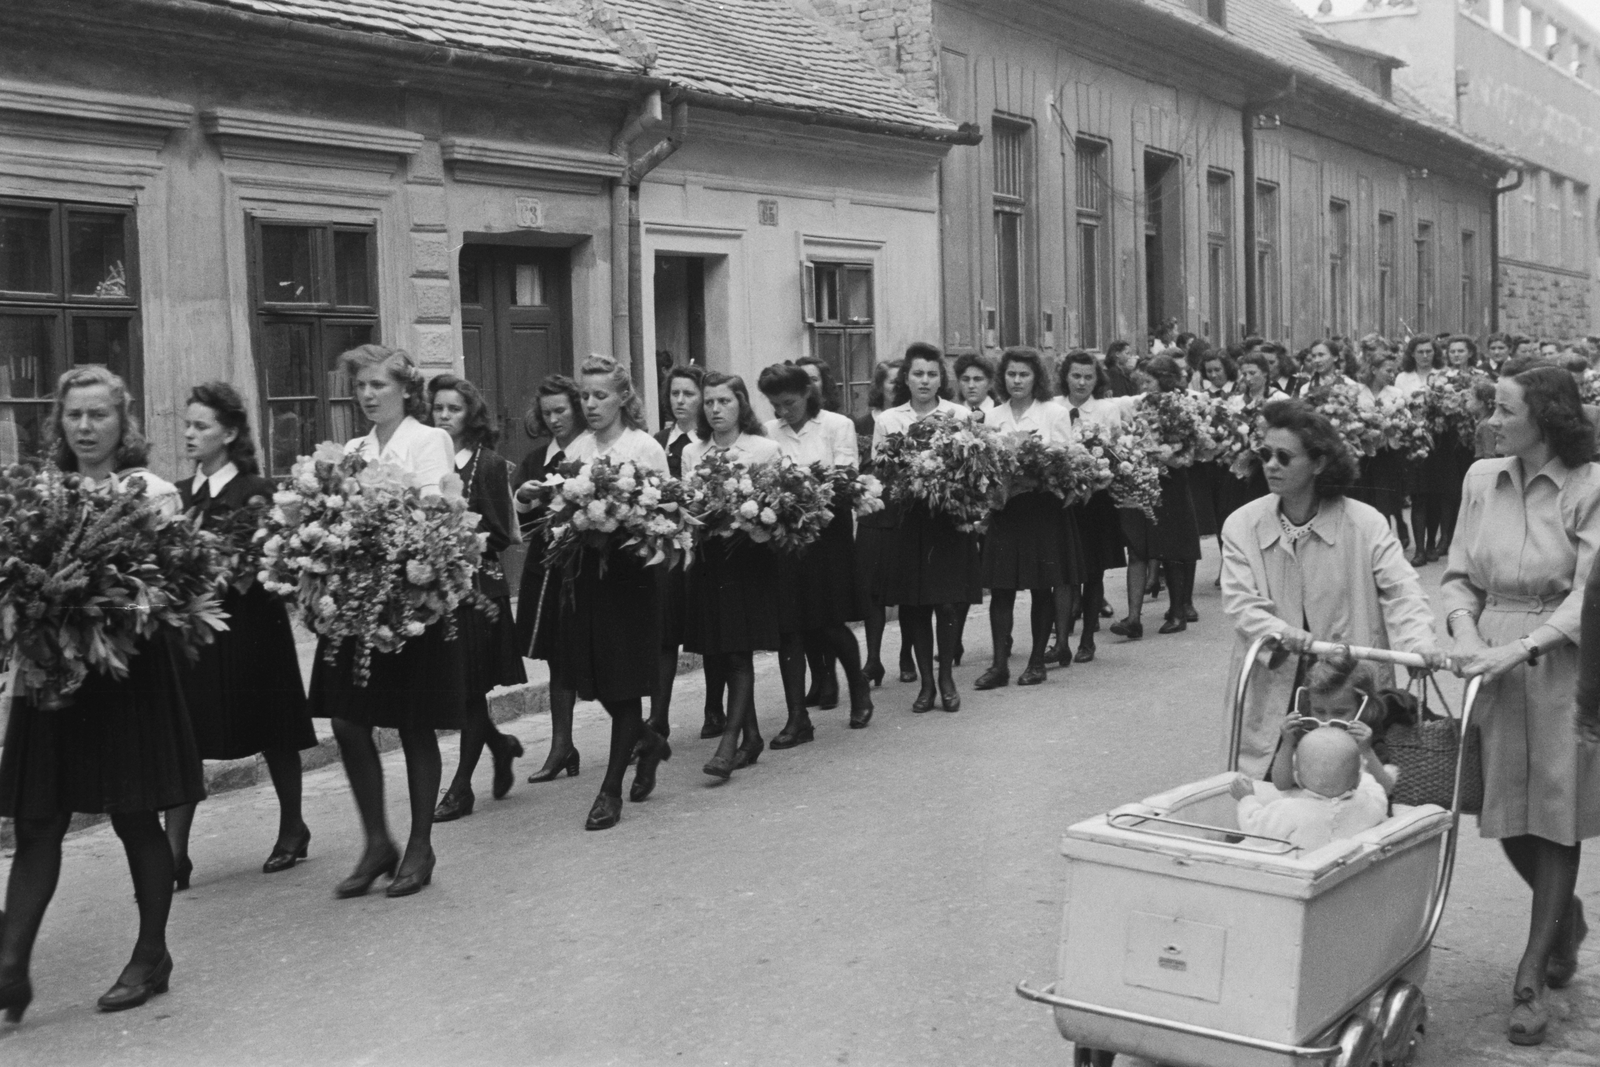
column 235, row 123
column 86, row 116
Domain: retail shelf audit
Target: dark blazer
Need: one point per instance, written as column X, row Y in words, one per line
column 674, row 459
column 237, row 493
column 536, row 466
column 489, row 494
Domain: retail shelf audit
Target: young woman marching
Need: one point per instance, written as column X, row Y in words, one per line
column 244, row 693
column 732, row 609
column 817, row 592
column 555, row 419
column 874, row 533
column 931, row 567
column 419, row 688
column 490, row 646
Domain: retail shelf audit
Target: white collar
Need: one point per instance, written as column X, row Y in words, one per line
column 463, row 456
column 677, row 431
column 224, row 474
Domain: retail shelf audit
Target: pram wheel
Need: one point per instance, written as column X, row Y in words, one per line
column 1359, row 1045
column 1084, row 1056
column 1404, row 1020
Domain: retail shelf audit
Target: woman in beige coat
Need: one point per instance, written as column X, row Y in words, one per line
column 1306, row 561
column 1513, row 596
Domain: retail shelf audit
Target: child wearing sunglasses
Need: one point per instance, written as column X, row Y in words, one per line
column 1341, row 693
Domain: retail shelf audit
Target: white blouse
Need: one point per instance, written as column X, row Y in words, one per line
column 221, row 477
column 1108, row 413
column 829, row 439
column 748, row 448
column 158, row 491
column 631, row 446
column 1049, row 422
column 425, row 451
column 899, row 419
column 1409, row 381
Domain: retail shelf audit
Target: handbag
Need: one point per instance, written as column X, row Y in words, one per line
column 1426, row 754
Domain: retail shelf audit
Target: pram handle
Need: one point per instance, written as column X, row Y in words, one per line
column 1409, row 660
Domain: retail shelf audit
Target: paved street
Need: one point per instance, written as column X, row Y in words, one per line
column 868, row 899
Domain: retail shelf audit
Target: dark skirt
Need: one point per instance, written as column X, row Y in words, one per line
column 1461, row 458
column 120, row 746
column 1216, row 493
column 1100, row 531
column 1382, row 482
column 244, row 694
column 532, row 610
column 674, row 606
column 422, row 686
column 1432, row 473
column 817, row 588
column 1026, row 545
column 733, row 598
column 608, row 634
column 1174, row 534
column 875, row 536
column 489, row 647
column 930, row 562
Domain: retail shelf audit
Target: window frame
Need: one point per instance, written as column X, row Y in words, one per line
column 1222, row 304
column 1092, row 220
column 1339, row 244
column 845, row 327
column 1010, row 214
column 1426, row 276
column 1269, row 289
column 1386, row 251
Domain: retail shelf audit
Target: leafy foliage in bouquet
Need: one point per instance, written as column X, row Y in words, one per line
column 782, row 503
column 1234, row 425
column 237, row 544
column 608, row 507
column 1065, row 471
column 1130, row 457
column 364, row 555
column 862, row 493
column 1589, row 388
column 958, row 468
column 86, row 572
column 1178, row 426
column 1445, row 406
column 1404, row 430
column 1363, row 428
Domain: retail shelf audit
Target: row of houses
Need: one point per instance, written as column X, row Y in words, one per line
column 242, row 189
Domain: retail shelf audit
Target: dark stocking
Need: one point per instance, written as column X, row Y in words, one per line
column 1002, row 614
column 661, row 698
column 823, row 668
column 1041, row 613
column 283, row 764
column 1066, row 605
column 916, row 629
column 1094, row 591
column 179, row 820
column 792, row 656
column 423, row 769
column 1174, row 572
column 361, row 767
column 476, row 732
column 840, row 641
column 948, row 617
column 627, row 719
column 562, row 700
column 1137, row 569
column 1554, row 870
column 150, row 865
column 716, row 670
column 739, row 671
column 961, row 629
column 35, row 870
column 1449, row 511
column 875, row 622
column 1419, row 521
column 908, row 659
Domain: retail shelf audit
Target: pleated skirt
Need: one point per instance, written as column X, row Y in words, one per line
column 1382, row 482
column 818, row 588
column 875, row 536
column 1174, row 534
column 608, row 632
column 421, row 686
column 930, row 562
column 1031, row 543
column 120, row 746
column 1101, row 534
column 489, row 647
column 733, row 593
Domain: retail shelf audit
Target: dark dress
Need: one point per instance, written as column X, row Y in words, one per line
column 1382, row 483
column 1032, row 543
column 733, row 597
column 608, row 637
column 818, row 588
column 928, row 562
column 535, row 466
column 873, row 532
column 493, row 656
column 674, row 591
column 245, row 694
column 1100, row 533
column 1174, row 534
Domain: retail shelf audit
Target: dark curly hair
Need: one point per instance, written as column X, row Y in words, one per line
column 783, row 378
column 479, row 427
column 533, row 423
column 878, row 394
column 829, row 389
column 928, row 353
column 748, row 423
column 132, row 450
column 1168, row 375
column 1409, row 361
column 967, row 360
column 1472, row 348
column 1030, row 358
column 1082, row 357
column 1320, row 440
column 228, row 406
column 1557, row 409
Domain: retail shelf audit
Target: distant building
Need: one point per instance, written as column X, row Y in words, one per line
column 1524, row 74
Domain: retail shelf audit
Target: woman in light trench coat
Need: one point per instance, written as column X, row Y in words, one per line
column 1306, row 561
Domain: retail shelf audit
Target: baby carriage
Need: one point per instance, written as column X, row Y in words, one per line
column 1192, row 944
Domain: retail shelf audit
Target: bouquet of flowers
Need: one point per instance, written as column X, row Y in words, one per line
column 1130, row 459
column 1404, row 430
column 237, row 544
column 958, row 468
column 613, row 507
column 1361, row 427
column 852, row 489
column 1178, row 425
column 1444, row 407
column 366, row 556
column 1589, row 390
column 779, row 503
column 1065, row 471
column 86, row 572
column 1234, row 428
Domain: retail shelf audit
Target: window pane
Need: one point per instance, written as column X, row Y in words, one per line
column 288, row 358
column 1089, row 286
column 97, row 255
column 528, row 287
column 861, row 357
column 291, row 432
column 102, row 339
column 858, row 294
column 828, row 346
column 352, row 287
column 346, row 421
column 28, row 358
column 22, row 431
column 286, row 265
column 339, row 338
column 1008, row 246
column 25, row 250
column 827, row 279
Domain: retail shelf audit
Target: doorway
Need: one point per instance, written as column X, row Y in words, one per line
column 680, row 299
column 1163, row 241
column 515, row 315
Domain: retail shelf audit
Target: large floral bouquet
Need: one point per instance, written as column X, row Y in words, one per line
column 958, row 468
column 862, row 493
column 238, row 546
column 1234, row 426
column 1178, row 425
column 1404, row 430
column 1589, row 388
column 1445, row 406
column 86, row 572
column 365, row 555
column 781, row 503
column 609, row 507
column 1065, row 471
column 1362, row 427
column 1131, row 458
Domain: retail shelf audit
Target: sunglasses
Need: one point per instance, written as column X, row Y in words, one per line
column 1302, row 708
column 1283, row 456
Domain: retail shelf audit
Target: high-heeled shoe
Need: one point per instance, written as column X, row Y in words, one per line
column 1189, row 614
column 551, row 771
column 644, row 779
column 924, row 702
column 1529, row 1018
column 181, row 873
column 361, row 879
column 1033, row 674
column 124, row 995
column 908, row 674
column 510, row 749
column 604, row 814
column 15, row 998
column 404, row 885
column 1173, row 624
column 795, row 734
column 1132, row 629
column 949, row 696
column 713, row 727
column 860, row 712
column 454, row 805
column 1562, row 965
column 874, row 672
column 282, row 858
column 719, row 766
column 748, row 753
column 1085, row 651
column 995, row 677
column 961, row 650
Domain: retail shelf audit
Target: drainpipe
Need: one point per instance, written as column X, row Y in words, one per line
column 1494, row 250
column 649, row 111
column 1247, row 121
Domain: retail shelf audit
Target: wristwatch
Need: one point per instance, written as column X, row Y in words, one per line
column 1533, row 650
